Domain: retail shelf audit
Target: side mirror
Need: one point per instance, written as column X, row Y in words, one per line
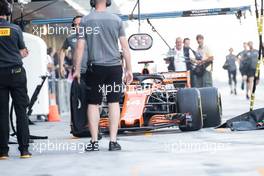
column 140, row 41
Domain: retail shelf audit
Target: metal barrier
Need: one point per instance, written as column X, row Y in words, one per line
column 61, row 87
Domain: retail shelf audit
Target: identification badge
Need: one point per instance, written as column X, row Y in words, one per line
column 4, row 32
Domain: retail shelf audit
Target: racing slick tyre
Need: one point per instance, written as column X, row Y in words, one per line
column 189, row 101
column 212, row 107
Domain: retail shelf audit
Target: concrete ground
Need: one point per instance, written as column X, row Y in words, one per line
column 166, row 152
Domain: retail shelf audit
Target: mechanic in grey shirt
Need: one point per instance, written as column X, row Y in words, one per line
column 243, row 65
column 71, row 42
column 103, row 31
column 232, row 70
column 252, row 57
column 105, row 49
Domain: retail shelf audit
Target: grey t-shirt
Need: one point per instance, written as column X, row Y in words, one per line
column 71, row 42
column 243, row 55
column 102, row 31
column 231, row 60
column 252, row 55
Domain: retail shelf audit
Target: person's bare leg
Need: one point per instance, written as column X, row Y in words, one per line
column 93, row 119
column 114, row 116
column 244, row 82
column 244, row 78
column 250, row 85
column 231, row 87
column 247, row 84
column 257, row 82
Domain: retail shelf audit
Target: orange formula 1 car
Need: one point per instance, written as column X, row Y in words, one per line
column 155, row 101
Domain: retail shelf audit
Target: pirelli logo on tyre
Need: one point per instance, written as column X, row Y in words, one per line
column 4, row 32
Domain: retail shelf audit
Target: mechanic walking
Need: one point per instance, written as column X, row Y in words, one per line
column 232, row 71
column 13, row 81
column 243, row 65
column 104, row 67
column 252, row 57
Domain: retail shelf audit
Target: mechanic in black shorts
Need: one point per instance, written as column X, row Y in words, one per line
column 252, row 56
column 243, row 65
column 104, row 72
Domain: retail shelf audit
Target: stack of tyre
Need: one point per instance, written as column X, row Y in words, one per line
column 204, row 105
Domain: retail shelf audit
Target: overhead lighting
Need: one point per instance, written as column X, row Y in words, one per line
column 24, row 1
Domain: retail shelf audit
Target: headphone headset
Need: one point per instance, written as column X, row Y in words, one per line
column 93, row 3
column 78, row 16
column 6, row 8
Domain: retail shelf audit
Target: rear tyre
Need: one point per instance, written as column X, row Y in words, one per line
column 212, row 107
column 189, row 101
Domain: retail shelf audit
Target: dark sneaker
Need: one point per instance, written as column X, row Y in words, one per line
column 92, row 146
column 4, row 156
column 25, row 154
column 247, row 97
column 114, row 146
column 235, row 91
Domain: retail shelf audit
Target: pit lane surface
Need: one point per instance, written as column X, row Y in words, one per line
column 166, row 152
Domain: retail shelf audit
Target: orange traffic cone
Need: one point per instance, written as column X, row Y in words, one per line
column 53, row 110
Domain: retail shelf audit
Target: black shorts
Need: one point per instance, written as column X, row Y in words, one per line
column 251, row 73
column 105, row 80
